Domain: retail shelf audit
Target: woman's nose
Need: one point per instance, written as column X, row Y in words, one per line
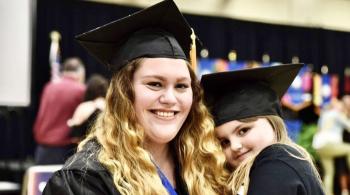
column 168, row 97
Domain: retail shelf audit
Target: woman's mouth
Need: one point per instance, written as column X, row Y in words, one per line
column 164, row 114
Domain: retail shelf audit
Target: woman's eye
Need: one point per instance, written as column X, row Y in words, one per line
column 182, row 86
column 154, row 84
column 243, row 131
column 225, row 143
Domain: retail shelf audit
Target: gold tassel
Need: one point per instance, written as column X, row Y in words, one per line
column 193, row 52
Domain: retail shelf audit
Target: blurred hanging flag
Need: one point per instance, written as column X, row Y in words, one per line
column 205, row 66
column 317, row 81
column 326, row 89
column 295, row 91
column 55, row 55
column 334, row 86
column 209, row 65
column 347, row 80
column 236, row 65
column 221, row 65
column 307, row 79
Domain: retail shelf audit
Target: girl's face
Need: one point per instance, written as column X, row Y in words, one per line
column 163, row 97
column 241, row 140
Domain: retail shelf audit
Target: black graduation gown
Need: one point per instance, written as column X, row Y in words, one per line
column 276, row 172
column 84, row 174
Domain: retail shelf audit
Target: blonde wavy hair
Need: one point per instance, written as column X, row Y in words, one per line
column 240, row 175
column 121, row 138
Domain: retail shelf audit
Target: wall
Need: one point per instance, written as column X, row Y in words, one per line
column 328, row 14
column 15, row 52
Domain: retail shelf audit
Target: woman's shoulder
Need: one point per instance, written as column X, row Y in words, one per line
column 85, row 159
column 82, row 174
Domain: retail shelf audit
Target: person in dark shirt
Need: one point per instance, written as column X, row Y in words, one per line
column 262, row 158
column 155, row 135
column 87, row 111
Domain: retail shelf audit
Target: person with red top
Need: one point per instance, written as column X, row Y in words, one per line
column 58, row 101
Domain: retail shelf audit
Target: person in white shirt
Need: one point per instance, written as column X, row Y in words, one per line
column 328, row 140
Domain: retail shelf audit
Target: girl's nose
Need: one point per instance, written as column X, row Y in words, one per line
column 236, row 146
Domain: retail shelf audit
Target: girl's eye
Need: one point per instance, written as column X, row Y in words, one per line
column 243, row 131
column 182, row 86
column 225, row 143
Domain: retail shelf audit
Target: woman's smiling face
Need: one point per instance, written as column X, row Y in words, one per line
column 241, row 140
column 163, row 97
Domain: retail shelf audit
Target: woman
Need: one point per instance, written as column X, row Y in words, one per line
column 87, row 111
column 262, row 158
column 155, row 135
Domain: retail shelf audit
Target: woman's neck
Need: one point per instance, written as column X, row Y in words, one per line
column 160, row 153
column 164, row 159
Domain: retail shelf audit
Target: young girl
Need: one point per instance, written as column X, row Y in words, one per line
column 155, row 135
column 263, row 160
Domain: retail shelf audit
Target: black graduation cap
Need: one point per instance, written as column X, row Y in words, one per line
column 157, row 31
column 247, row 93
